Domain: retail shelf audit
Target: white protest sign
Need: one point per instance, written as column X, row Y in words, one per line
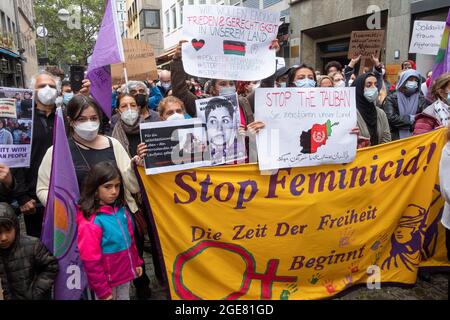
column 175, row 145
column 16, row 126
column 305, row 127
column 426, row 37
column 229, row 42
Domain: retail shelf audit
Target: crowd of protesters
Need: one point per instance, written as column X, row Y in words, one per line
column 105, row 152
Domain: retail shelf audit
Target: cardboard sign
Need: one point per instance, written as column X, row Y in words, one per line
column 426, row 37
column 305, row 127
column 139, row 61
column 229, row 42
column 366, row 44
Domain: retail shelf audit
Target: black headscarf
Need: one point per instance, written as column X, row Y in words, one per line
column 367, row 109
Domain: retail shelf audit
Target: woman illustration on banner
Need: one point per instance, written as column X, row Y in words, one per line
column 407, row 239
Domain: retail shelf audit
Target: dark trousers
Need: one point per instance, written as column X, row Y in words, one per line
column 143, row 281
column 33, row 222
column 153, row 243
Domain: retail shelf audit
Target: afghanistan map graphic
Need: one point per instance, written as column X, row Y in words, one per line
column 316, row 137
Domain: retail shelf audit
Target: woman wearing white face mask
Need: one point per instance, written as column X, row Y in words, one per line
column 372, row 121
column 88, row 148
column 403, row 106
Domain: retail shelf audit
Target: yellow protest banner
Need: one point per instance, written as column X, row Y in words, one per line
column 305, row 233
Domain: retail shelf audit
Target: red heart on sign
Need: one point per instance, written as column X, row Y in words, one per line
column 198, row 44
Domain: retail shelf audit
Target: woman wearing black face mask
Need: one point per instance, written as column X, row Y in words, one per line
column 401, row 107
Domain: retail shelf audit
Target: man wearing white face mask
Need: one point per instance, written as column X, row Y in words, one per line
column 46, row 88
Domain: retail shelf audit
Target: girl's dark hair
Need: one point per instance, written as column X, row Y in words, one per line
column 121, row 96
column 216, row 103
column 77, row 105
column 294, row 71
column 99, row 174
column 3, row 122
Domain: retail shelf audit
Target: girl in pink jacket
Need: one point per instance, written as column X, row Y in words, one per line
column 105, row 234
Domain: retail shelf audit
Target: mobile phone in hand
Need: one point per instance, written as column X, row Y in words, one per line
column 76, row 78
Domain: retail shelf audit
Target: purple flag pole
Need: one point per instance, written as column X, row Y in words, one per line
column 59, row 230
column 108, row 50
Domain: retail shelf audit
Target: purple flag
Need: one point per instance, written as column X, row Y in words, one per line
column 442, row 64
column 59, row 230
column 108, row 50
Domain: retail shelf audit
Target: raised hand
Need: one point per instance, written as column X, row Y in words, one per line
column 179, row 52
column 354, row 61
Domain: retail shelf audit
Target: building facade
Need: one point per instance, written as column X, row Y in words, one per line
column 144, row 22
column 172, row 12
column 10, row 63
column 121, row 6
column 27, row 38
column 321, row 29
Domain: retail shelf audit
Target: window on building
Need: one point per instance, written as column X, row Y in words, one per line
column 190, row 1
column 234, row 2
column 250, row 3
column 9, row 25
column 149, row 19
column 167, row 21
column 134, row 10
column 180, row 10
column 2, row 15
column 173, row 12
column 202, row 2
column 268, row 3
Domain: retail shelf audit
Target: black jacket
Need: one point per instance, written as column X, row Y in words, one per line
column 26, row 178
column 7, row 194
column 27, row 269
column 397, row 122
